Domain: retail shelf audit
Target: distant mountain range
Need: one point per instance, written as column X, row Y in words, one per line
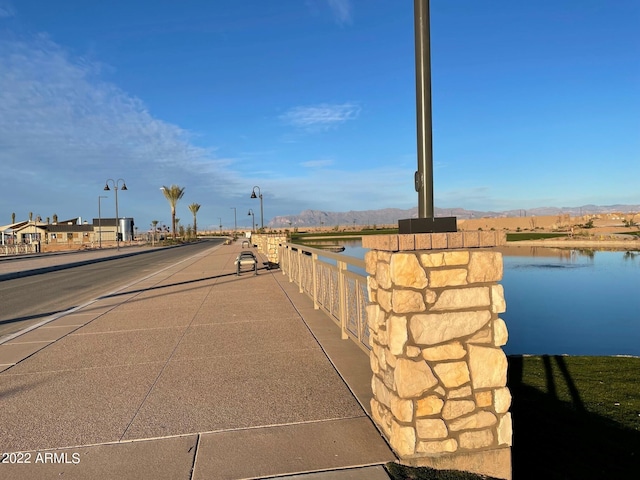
column 387, row 216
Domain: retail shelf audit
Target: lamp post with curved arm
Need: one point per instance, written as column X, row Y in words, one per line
column 115, row 184
column 253, row 223
column 100, row 221
column 253, row 195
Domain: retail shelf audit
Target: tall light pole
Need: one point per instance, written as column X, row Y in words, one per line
column 115, row 187
column 253, row 195
column 100, row 221
column 423, row 178
column 253, row 223
column 220, row 225
column 235, row 220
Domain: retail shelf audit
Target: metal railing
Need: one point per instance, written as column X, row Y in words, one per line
column 18, row 249
column 339, row 292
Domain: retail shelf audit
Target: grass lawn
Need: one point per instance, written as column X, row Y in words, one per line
column 514, row 237
column 573, row 418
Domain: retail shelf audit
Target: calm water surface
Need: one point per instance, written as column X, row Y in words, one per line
column 567, row 301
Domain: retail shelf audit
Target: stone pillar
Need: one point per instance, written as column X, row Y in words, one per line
column 268, row 244
column 439, row 372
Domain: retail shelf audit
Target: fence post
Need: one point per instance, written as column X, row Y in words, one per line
column 315, row 281
column 342, row 295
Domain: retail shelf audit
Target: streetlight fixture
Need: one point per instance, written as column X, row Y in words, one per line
column 253, row 195
column 100, row 221
column 253, row 223
column 220, row 225
column 115, row 187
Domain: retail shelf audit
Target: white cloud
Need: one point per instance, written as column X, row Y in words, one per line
column 341, row 10
column 63, row 131
column 322, row 116
column 6, row 10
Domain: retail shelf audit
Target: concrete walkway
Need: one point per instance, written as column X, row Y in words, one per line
column 190, row 373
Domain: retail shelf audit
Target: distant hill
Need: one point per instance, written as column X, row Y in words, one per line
column 387, row 216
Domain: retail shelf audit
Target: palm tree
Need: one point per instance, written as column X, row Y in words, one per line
column 173, row 194
column 194, row 207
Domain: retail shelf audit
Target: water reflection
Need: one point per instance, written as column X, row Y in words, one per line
column 566, row 301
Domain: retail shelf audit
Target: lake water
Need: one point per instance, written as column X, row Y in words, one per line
column 567, row 301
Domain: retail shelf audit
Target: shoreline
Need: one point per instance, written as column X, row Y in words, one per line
column 585, row 244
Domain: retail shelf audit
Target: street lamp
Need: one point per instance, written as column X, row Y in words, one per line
column 253, row 223
column 220, row 219
column 100, row 221
column 115, row 187
column 253, row 195
column 235, row 221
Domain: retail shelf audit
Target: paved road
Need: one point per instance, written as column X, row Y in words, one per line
column 30, row 299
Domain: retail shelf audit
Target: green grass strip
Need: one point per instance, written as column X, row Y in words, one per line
column 573, row 418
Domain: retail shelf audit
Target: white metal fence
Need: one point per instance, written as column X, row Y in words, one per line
column 339, row 292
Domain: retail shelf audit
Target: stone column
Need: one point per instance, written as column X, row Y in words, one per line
column 268, row 244
column 439, row 372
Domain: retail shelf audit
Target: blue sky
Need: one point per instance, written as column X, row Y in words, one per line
column 534, row 104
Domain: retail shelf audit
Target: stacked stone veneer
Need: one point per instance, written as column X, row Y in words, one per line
column 439, row 372
column 268, row 244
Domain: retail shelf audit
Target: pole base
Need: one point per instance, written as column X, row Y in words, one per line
column 428, row 225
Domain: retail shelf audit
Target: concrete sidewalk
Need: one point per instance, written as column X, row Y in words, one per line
column 192, row 373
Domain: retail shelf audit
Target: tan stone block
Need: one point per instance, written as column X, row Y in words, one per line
column 372, row 289
column 482, row 419
column 449, row 445
column 422, row 241
column 498, row 304
column 439, row 241
column 412, row 352
column 412, row 378
column 488, row 367
column 502, row 400
column 432, row 260
column 452, row 374
column 434, row 328
column 449, row 351
column 375, row 317
column 505, row 430
column 398, row 334
column 403, row 439
column 407, row 301
column 382, row 337
column 388, row 376
column 457, row 408
column 384, row 257
column 391, row 359
column 406, row 271
column 373, row 362
column 431, row 428
column 430, row 296
column 461, row 298
column 451, row 277
column 406, row 242
column 500, row 333
column 384, row 299
column 456, row 258
column 462, row 392
column 471, row 239
column 383, row 275
column 431, row 405
column 484, row 399
column 482, row 337
column 485, row 266
column 488, row 239
column 402, row 409
column 380, row 391
column 476, row 439
column 455, row 240
column 380, row 242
